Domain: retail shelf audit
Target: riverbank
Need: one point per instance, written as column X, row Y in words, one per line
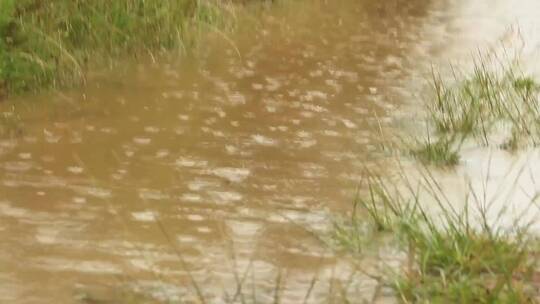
column 52, row 44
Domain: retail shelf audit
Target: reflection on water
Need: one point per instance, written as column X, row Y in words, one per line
column 224, row 164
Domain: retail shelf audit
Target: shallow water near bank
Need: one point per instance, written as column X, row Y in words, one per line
column 226, row 162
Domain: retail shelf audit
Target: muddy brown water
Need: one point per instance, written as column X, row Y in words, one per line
column 224, row 162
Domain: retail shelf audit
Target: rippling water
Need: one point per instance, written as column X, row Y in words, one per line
column 225, row 162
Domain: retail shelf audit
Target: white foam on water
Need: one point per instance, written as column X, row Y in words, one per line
column 235, row 175
column 142, row 140
column 236, row 99
column 25, row 156
column 204, row 229
column 151, row 129
column 306, row 143
column 96, row 267
column 244, row 229
column 349, row 124
column 331, row 133
column 263, row 140
column 152, row 194
column 75, row 169
column 162, row 153
column 195, row 217
column 190, row 162
column 190, row 197
column 225, row 197
column 7, row 209
column 198, row 185
column 144, row 216
column 93, row 191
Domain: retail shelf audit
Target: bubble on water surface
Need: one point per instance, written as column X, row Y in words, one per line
column 17, row 166
column 151, row 194
column 271, row 109
column 144, row 216
column 263, row 140
column 198, row 185
column 249, row 115
column 331, row 133
column 235, row 175
column 108, row 130
column 163, row 292
column 7, row 209
column 190, row 197
column 162, row 153
column 151, row 129
column 47, row 235
column 186, row 239
column 144, row 264
column 75, row 169
column 349, row 124
column 190, row 162
column 50, row 137
column 244, row 228
column 225, row 197
column 210, row 121
column 257, row 86
column 175, row 95
column 183, row 117
column 314, row 108
column 96, row 267
column 93, row 191
column 306, row 143
column 231, row 149
column 236, row 98
column 195, row 217
column 334, row 84
column 306, row 114
column 272, row 84
column 142, row 140
column 317, row 73
column 204, row 229
column 218, row 133
column 79, row 200
column 25, row 156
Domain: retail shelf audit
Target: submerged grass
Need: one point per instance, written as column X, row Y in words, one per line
column 50, row 43
column 495, row 104
column 441, row 152
column 454, row 258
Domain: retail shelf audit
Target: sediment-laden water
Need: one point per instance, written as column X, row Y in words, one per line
column 227, row 162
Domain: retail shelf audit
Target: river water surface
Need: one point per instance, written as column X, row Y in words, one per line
column 226, row 162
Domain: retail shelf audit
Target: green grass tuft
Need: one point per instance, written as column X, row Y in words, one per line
column 440, row 152
column 450, row 259
column 495, row 104
column 51, row 43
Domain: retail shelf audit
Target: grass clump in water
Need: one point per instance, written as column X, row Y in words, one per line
column 50, row 43
column 466, row 267
column 441, row 152
column 495, row 104
column 451, row 258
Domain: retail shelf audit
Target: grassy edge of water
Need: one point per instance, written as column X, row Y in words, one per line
column 52, row 44
column 455, row 258
column 494, row 105
column 452, row 259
